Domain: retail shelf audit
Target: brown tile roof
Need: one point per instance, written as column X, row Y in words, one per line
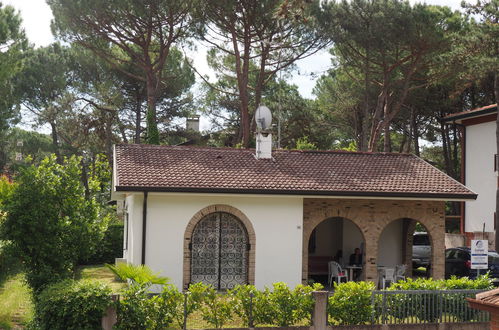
column 457, row 117
column 224, row 170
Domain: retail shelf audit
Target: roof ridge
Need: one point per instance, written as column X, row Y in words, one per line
column 274, row 150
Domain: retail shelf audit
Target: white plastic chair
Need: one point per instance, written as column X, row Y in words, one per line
column 400, row 272
column 335, row 271
column 388, row 276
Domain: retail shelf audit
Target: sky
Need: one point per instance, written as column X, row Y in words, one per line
column 36, row 15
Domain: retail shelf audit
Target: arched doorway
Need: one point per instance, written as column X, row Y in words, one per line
column 405, row 242
column 334, row 239
column 219, row 251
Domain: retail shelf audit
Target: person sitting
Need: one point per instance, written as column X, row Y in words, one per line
column 356, row 260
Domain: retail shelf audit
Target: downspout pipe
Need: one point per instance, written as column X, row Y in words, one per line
column 144, row 227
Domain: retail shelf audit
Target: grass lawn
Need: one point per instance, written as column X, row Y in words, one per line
column 16, row 307
column 99, row 273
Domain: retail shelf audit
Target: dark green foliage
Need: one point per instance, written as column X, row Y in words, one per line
column 110, row 247
column 287, row 307
column 351, row 303
column 139, row 309
column 12, row 45
column 134, row 308
column 402, row 306
column 49, row 222
column 72, row 305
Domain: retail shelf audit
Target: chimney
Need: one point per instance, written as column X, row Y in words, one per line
column 263, row 145
column 192, row 124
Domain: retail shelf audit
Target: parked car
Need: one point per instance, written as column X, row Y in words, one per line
column 421, row 250
column 458, row 262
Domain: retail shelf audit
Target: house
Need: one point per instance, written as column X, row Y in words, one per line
column 478, row 169
column 232, row 216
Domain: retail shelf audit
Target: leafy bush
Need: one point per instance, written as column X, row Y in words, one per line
column 247, row 303
column 135, row 309
column 284, row 307
column 109, row 248
column 429, row 309
column 139, row 309
column 351, row 303
column 48, row 211
column 216, row 308
column 72, row 305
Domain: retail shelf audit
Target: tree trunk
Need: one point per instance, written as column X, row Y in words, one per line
column 415, row 132
column 55, row 142
column 387, row 142
column 108, row 120
column 364, row 121
column 138, row 116
column 152, row 124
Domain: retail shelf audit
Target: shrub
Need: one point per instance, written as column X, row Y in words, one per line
column 72, row 305
column 109, row 248
column 351, row 303
column 135, row 308
column 284, row 307
column 47, row 212
column 429, row 309
column 216, row 308
column 244, row 298
column 139, row 309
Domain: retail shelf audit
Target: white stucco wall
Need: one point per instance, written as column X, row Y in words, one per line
column 277, row 221
column 133, row 205
column 480, row 176
column 390, row 245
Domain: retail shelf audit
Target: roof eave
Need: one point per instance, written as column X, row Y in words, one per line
column 367, row 194
column 458, row 118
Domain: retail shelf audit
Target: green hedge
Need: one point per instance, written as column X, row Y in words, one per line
column 71, row 304
column 111, row 247
column 351, row 303
column 402, row 306
column 279, row 306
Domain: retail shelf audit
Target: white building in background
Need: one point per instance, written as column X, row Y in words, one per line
column 479, row 173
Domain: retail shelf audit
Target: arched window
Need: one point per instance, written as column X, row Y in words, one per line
column 219, row 251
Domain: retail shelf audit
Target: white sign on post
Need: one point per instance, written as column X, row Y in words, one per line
column 479, row 254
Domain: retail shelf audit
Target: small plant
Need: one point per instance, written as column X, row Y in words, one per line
column 72, row 305
column 138, row 274
column 351, row 303
column 216, row 309
column 287, row 307
column 135, row 308
column 243, row 299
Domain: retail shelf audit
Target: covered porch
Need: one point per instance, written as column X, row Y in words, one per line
column 381, row 229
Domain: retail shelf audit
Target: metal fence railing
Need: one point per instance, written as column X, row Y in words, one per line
column 424, row 306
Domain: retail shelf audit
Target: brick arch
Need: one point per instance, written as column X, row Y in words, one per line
column 320, row 215
column 189, row 230
column 432, row 229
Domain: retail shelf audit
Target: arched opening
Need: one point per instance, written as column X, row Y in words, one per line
column 405, row 243
column 219, row 251
column 335, row 239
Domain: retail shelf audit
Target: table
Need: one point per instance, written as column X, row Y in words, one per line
column 350, row 270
